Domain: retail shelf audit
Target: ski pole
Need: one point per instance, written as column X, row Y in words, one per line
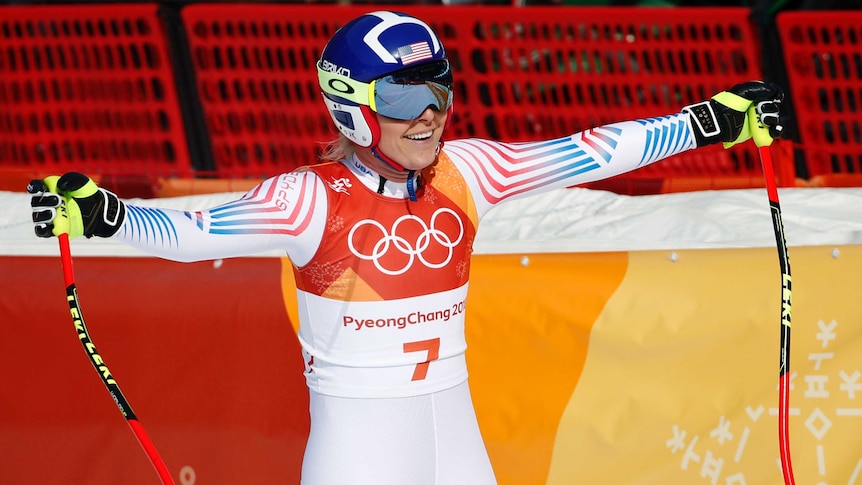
column 100, row 366
column 784, row 355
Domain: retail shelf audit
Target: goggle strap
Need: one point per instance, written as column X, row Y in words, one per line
column 344, row 87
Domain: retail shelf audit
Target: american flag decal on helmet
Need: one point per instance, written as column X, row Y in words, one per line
column 414, row 52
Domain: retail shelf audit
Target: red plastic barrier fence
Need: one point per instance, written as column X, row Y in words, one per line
column 88, row 88
column 823, row 53
column 257, row 82
column 92, row 88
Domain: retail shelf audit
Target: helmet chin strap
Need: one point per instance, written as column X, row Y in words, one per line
column 383, row 158
column 411, row 189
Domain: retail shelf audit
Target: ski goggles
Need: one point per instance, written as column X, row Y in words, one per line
column 403, row 95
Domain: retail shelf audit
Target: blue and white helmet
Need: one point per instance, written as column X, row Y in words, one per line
column 385, row 62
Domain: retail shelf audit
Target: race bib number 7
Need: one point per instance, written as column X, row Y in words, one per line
column 432, row 346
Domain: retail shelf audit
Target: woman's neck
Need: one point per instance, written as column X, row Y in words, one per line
column 380, row 183
column 375, row 164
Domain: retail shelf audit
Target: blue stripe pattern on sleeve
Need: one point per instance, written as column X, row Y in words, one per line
column 150, row 225
column 663, row 137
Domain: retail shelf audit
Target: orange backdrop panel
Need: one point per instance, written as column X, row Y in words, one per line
column 205, row 355
column 529, row 323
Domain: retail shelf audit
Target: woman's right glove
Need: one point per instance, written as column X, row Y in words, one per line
column 747, row 110
column 75, row 205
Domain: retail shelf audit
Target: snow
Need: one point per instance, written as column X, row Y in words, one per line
column 568, row 220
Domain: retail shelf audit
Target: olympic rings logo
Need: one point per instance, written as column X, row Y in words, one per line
column 390, row 240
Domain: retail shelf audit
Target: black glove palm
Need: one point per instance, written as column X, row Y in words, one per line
column 74, row 204
column 747, row 110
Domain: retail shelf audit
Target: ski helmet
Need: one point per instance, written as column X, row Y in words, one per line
column 382, row 62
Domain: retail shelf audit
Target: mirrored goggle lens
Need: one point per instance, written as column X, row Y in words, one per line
column 408, row 101
column 405, row 95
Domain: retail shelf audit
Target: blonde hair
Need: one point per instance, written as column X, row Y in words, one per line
column 339, row 148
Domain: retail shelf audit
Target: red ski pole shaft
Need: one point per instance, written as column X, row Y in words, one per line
column 102, row 369
column 784, row 355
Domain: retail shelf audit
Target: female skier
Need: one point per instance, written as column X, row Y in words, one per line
column 380, row 235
